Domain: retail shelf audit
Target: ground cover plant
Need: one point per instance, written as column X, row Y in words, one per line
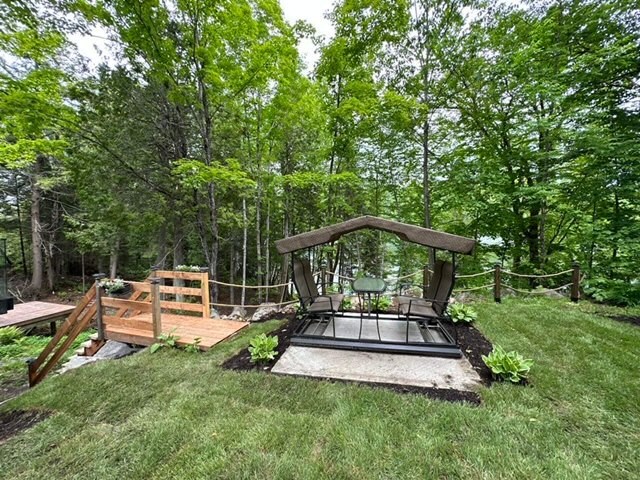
column 15, row 349
column 187, row 417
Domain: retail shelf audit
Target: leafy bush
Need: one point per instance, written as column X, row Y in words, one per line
column 9, row 335
column 347, row 303
column 381, row 303
column 459, row 312
column 507, row 365
column 263, row 348
column 165, row 340
column 615, row 292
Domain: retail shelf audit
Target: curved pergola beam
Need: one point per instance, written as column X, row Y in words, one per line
column 408, row 233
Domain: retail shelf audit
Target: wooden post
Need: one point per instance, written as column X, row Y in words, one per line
column 155, row 307
column 204, row 286
column 323, row 280
column 425, row 280
column 496, row 283
column 97, row 277
column 575, row 283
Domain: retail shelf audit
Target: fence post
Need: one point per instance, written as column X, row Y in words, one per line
column 155, row 307
column 575, row 283
column 496, row 283
column 100, row 326
column 425, row 280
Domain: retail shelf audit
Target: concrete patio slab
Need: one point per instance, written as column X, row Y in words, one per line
column 358, row 366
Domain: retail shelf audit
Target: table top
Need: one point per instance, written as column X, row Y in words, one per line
column 369, row 285
column 31, row 313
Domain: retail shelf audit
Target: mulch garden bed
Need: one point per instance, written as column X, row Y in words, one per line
column 472, row 343
column 622, row 318
column 12, row 423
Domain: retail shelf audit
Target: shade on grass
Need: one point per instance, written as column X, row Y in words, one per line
column 178, row 415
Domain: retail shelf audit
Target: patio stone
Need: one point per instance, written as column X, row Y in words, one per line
column 414, row 370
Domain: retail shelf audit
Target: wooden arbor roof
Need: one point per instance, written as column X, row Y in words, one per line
column 408, row 233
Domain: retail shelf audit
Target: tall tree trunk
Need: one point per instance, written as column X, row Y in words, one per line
column 50, row 244
column 259, row 243
column 232, row 272
column 178, row 252
column 245, row 227
column 23, row 255
column 113, row 258
column 267, row 256
column 36, row 228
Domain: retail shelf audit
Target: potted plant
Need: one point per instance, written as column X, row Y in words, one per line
column 115, row 287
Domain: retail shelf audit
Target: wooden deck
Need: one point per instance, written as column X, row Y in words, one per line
column 139, row 329
column 33, row 313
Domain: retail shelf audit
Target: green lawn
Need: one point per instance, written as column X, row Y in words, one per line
column 178, row 415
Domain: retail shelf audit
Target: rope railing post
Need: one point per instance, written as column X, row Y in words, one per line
column 99, row 324
column 496, row 283
column 155, row 307
column 575, row 282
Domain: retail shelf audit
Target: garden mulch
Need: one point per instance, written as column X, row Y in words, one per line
column 471, row 342
column 626, row 319
column 15, row 421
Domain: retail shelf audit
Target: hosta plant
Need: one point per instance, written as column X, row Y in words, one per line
column 461, row 313
column 507, row 365
column 263, row 348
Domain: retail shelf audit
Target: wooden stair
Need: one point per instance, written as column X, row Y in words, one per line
column 90, row 347
column 75, row 323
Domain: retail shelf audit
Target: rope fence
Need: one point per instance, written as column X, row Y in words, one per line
column 535, row 276
column 497, row 285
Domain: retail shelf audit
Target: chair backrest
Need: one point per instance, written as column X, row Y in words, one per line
column 303, row 281
column 441, row 285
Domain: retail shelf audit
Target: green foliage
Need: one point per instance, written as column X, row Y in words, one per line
column 381, row 304
column 193, row 347
column 112, row 285
column 188, row 268
column 263, row 348
column 508, row 365
column 614, row 292
column 165, row 340
column 9, row 335
column 462, row 313
column 347, row 303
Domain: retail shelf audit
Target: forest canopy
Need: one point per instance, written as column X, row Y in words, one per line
column 199, row 137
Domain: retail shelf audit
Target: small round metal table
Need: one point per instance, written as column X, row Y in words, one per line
column 364, row 287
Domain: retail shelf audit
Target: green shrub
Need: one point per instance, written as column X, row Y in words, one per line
column 615, row 292
column 193, row 347
column 381, row 303
column 462, row 313
column 263, row 348
column 347, row 304
column 165, row 340
column 507, row 365
column 9, row 335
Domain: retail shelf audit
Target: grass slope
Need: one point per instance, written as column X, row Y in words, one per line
column 178, row 415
